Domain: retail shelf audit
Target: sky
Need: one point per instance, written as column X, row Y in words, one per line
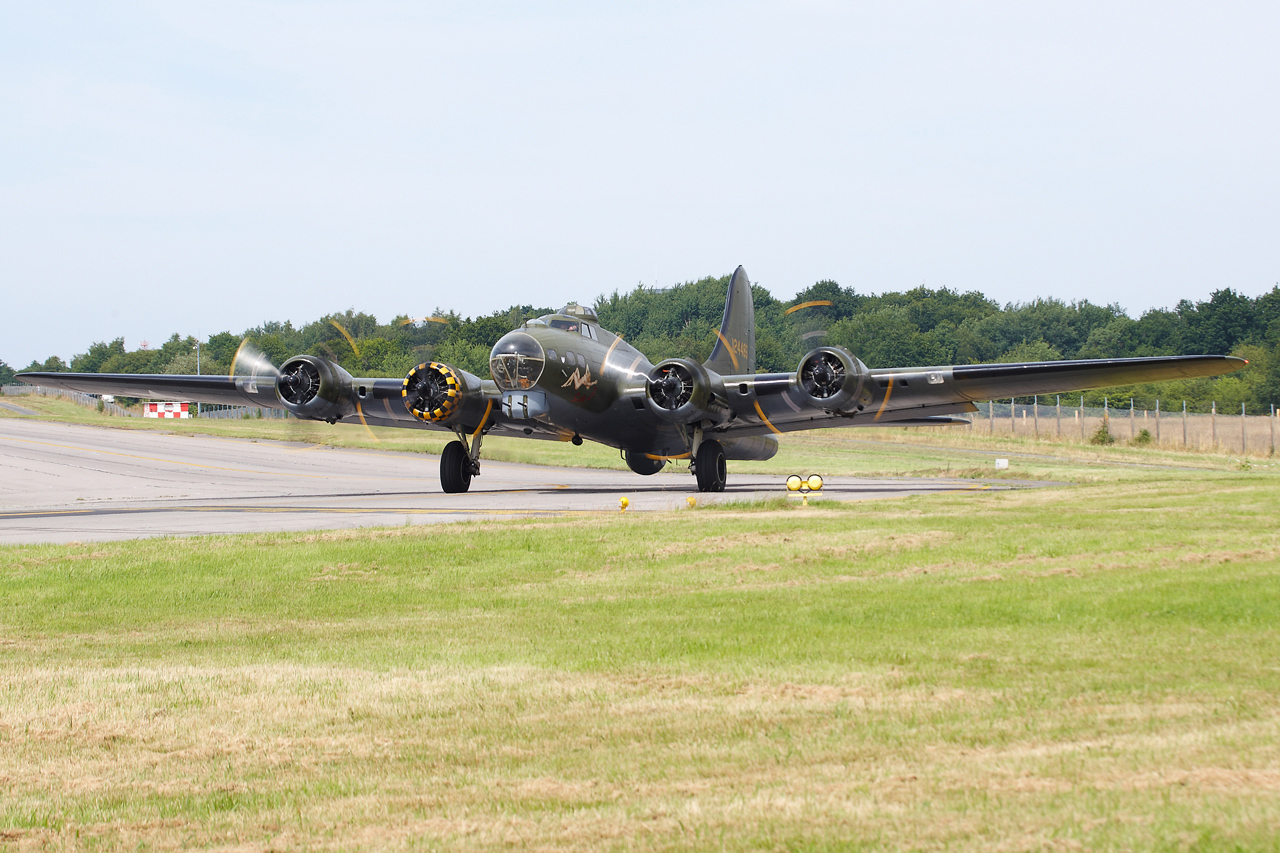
column 200, row 167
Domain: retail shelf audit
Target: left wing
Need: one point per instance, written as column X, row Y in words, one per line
column 832, row 388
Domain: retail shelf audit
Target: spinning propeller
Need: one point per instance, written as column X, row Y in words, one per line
column 671, row 386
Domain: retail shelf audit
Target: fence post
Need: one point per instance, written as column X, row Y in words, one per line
column 1035, row 409
column 1059, row 418
column 991, row 417
column 1132, row 422
column 1273, row 429
column 1244, row 440
column 1213, row 420
column 1184, row 423
column 1157, row 420
column 1013, row 416
column 1080, row 412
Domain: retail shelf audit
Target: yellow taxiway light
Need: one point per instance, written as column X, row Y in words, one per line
column 804, row 485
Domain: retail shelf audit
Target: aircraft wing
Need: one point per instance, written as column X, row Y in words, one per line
column 374, row 401
column 235, row 391
column 912, row 396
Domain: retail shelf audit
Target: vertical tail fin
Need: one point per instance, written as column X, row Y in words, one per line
column 735, row 350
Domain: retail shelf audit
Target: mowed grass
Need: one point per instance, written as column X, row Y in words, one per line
column 1094, row 666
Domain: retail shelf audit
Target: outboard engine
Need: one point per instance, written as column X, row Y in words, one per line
column 680, row 390
column 315, row 389
column 833, row 379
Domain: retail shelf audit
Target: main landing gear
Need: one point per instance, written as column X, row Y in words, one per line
column 709, row 467
column 458, row 463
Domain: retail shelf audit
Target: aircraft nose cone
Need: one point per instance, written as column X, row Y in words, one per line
column 517, row 361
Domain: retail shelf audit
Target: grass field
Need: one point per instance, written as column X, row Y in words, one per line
column 1094, row 666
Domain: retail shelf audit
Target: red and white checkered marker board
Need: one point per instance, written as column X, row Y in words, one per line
column 166, row 410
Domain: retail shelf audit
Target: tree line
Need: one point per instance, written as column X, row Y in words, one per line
column 922, row 326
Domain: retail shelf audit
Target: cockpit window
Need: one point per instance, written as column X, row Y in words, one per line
column 516, row 362
column 566, row 324
column 581, row 311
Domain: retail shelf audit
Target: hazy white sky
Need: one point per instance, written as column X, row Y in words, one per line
column 200, row 167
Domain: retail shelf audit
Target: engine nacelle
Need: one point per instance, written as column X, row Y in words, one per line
column 315, row 389
column 680, row 390
column 434, row 392
column 833, row 379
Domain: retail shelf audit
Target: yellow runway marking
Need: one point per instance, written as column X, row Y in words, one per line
column 307, row 449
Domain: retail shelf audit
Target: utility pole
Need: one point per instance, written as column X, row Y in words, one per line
column 1244, row 440
column 197, row 374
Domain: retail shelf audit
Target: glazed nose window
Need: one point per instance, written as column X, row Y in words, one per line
column 516, row 362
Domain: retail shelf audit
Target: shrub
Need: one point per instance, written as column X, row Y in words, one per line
column 1102, row 435
column 1143, row 438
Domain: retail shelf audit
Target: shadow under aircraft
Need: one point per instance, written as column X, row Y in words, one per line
column 562, row 377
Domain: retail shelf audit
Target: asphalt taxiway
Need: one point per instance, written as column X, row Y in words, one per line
column 62, row 483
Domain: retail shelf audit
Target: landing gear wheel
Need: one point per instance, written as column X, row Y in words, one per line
column 455, row 468
column 709, row 467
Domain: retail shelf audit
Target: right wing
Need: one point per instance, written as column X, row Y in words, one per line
column 235, row 391
column 373, row 401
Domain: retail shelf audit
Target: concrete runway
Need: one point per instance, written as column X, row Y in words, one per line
column 64, row 483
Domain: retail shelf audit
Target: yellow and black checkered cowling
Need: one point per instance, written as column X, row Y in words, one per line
column 432, row 392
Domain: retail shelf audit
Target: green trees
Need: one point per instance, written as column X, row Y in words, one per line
column 921, row 326
column 52, row 364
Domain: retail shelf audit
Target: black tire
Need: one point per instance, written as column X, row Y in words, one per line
column 455, row 468
column 710, row 467
column 642, row 464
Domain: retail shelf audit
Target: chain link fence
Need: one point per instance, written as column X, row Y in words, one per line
column 1180, row 428
column 91, row 401
column 87, row 400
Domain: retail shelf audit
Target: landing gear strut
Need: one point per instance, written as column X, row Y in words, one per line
column 458, row 463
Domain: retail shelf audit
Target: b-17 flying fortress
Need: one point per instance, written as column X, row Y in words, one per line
column 562, row 377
